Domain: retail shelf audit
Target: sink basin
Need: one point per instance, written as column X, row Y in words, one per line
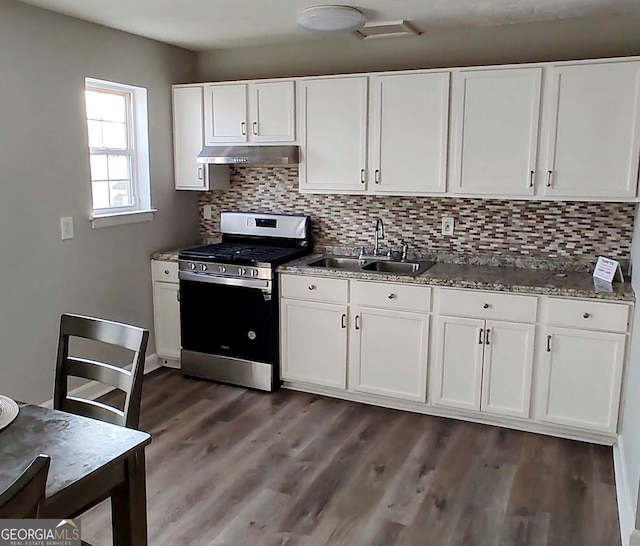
column 338, row 262
column 399, row 268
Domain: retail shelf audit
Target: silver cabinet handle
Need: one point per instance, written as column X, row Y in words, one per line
column 362, row 180
column 376, row 176
column 178, row 295
column 255, row 128
column 243, row 128
column 531, row 173
column 344, row 320
column 200, row 173
column 486, row 337
column 391, row 296
column 549, row 343
column 486, row 306
column 549, row 173
column 357, row 322
column 586, row 315
column 312, row 287
column 166, row 271
column 480, row 341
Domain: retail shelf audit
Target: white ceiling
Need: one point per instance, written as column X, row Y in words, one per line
column 212, row 24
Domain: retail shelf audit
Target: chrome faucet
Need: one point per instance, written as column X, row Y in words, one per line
column 379, row 234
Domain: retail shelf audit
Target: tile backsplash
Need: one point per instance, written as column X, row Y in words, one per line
column 517, row 230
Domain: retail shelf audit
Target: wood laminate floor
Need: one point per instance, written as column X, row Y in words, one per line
column 229, row 466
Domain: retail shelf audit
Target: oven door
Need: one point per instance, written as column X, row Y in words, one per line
column 228, row 320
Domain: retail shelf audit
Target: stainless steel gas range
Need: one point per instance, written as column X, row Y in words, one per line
column 229, row 298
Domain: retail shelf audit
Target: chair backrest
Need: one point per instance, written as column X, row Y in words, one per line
column 24, row 498
column 130, row 381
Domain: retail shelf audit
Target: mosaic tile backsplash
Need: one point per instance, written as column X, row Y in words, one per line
column 571, row 231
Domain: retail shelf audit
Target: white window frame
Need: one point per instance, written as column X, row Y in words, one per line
column 138, row 127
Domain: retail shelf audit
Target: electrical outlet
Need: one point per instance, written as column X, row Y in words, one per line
column 206, row 213
column 66, row 228
column 447, row 225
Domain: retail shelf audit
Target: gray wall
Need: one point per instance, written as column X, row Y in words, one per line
column 591, row 37
column 44, row 175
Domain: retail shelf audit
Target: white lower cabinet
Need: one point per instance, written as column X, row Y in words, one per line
column 389, row 353
column 166, row 309
column 483, row 366
column 581, row 378
column 484, row 358
column 314, row 342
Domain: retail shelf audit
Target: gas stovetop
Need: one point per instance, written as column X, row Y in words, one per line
column 241, row 253
column 248, row 254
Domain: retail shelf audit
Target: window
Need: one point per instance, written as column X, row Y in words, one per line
column 118, row 151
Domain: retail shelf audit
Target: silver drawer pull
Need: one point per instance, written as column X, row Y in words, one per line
column 586, row 315
column 312, row 287
column 549, row 173
column 486, row 306
column 166, row 271
column 549, row 343
column 392, row 296
column 480, row 340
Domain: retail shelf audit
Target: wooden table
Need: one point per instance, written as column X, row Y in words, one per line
column 90, row 461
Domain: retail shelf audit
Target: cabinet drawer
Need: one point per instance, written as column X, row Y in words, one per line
column 488, row 305
column 303, row 287
column 164, row 271
column 587, row 315
column 391, row 296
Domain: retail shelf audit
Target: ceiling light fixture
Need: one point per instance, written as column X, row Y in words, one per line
column 331, row 19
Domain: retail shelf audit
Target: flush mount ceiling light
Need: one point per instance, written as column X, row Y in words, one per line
column 331, row 19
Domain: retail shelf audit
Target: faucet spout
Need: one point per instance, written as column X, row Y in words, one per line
column 379, row 234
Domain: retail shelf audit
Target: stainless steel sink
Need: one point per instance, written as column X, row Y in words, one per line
column 338, row 262
column 398, row 268
column 346, row 263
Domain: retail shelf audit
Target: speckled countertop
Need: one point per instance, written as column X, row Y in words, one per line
column 166, row 255
column 482, row 277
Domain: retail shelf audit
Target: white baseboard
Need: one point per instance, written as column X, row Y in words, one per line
column 625, row 500
column 93, row 389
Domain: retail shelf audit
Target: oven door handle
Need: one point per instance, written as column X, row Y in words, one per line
column 261, row 284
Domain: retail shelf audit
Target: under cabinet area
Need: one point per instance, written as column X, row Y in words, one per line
column 546, row 364
column 166, row 309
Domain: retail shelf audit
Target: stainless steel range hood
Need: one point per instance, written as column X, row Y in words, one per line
column 250, row 155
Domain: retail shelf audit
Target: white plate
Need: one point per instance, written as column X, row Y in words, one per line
column 8, row 411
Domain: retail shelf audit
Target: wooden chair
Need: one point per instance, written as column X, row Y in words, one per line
column 114, row 333
column 24, row 498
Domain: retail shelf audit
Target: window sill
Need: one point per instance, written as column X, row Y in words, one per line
column 121, row 218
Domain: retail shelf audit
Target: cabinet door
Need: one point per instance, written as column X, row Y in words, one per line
column 582, row 373
column 188, row 138
column 314, row 342
column 508, row 364
column 457, row 369
column 495, row 118
column 272, row 112
column 225, row 112
column 389, row 353
column 166, row 318
column 333, row 127
column 593, row 130
column 409, row 128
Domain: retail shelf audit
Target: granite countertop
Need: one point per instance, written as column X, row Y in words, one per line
column 166, row 255
column 482, row 277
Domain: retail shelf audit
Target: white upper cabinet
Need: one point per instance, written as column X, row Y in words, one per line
column 270, row 117
column 272, row 111
column 333, row 134
column 188, row 138
column 495, row 117
column 593, row 130
column 409, row 128
column 225, row 113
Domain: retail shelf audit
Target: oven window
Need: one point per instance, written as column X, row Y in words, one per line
column 230, row 321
